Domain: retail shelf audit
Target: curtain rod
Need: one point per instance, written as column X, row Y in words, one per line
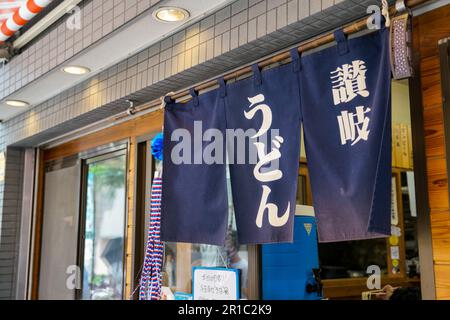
column 302, row 47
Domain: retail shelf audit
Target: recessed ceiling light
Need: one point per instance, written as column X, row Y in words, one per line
column 170, row 14
column 17, row 103
column 76, row 70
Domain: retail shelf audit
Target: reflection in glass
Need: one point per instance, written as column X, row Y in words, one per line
column 104, row 230
column 350, row 259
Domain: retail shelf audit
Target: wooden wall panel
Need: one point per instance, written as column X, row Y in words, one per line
column 437, row 183
column 428, row 30
column 434, row 131
column 442, row 281
column 440, row 221
column 433, row 25
column 431, row 81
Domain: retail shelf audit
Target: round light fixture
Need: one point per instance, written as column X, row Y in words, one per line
column 170, row 14
column 17, row 103
column 76, row 70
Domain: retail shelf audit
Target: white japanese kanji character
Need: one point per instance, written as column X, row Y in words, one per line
column 349, row 81
column 354, row 126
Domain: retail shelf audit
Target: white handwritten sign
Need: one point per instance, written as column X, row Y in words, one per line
column 394, row 205
column 215, row 283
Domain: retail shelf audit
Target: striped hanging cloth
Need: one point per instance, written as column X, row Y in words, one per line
column 151, row 280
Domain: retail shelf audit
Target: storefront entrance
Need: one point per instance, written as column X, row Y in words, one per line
column 84, row 226
column 96, row 225
column 106, row 178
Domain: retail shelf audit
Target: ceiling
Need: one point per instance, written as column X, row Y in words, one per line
column 135, row 36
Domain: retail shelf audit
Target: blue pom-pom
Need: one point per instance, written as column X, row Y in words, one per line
column 157, row 146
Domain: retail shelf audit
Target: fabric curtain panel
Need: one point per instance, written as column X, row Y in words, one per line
column 264, row 183
column 342, row 96
column 346, row 105
column 194, row 198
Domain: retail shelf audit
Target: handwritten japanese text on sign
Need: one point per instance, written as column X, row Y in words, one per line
column 215, row 283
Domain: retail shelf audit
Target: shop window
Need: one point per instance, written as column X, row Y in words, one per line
column 180, row 258
column 347, row 259
column 350, row 259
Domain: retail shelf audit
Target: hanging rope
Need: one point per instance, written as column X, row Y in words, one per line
column 225, row 263
column 385, row 12
column 151, row 278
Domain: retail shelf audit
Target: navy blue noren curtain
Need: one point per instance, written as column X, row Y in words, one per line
column 346, row 105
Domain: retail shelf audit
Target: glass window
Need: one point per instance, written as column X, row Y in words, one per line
column 350, row 259
column 60, row 229
column 104, row 228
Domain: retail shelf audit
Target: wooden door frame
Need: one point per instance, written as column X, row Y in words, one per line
column 105, row 154
column 424, row 236
column 444, row 57
column 37, row 226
